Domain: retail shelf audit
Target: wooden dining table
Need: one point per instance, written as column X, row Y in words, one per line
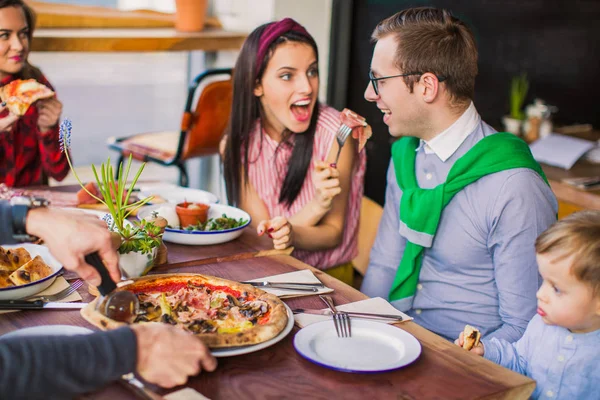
column 442, row 371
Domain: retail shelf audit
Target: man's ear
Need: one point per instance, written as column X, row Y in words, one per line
column 258, row 89
column 429, row 87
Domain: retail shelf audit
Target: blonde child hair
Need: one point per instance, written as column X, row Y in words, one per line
column 577, row 235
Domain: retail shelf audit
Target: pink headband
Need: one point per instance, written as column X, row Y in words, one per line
column 272, row 32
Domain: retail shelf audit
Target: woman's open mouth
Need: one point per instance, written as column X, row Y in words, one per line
column 301, row 110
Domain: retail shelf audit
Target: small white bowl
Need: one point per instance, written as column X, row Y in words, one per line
column 21, row 291
column 183, row 236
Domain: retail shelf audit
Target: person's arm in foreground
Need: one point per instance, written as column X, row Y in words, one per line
column 62, row 367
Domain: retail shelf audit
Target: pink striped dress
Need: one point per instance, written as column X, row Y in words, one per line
column 267, row 170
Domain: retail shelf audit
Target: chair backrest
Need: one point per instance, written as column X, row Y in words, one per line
column 370, row 215
column 205, row 126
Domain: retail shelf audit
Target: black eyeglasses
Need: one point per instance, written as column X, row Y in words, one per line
column 374, row 80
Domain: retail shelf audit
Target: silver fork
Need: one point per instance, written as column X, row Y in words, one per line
column 341, row 320
column 344, row 323
column 341, row 135
column 76, row 284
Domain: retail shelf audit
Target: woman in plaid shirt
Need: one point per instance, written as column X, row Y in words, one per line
column 29, row 148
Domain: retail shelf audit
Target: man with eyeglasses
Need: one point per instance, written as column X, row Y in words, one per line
column 464, row 204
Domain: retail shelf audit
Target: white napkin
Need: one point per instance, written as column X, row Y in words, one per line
column 186, row 394
column 302, row 276
column 59, row 284
column 373, row 305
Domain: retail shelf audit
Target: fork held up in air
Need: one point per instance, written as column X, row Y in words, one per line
column 341, row 135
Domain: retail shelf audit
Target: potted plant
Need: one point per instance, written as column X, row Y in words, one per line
column 139, row 241
column 519, row 86
column 190, row 15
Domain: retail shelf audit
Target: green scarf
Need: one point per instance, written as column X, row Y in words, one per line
column 421, row 209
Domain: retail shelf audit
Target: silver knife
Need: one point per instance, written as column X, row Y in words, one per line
column 287, row 287
column 267, row 284
column 38, row 305
column 350, row 313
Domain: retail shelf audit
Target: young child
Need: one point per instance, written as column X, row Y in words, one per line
column 560, row 349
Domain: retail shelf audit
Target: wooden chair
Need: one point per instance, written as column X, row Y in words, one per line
column 370, row 215
column 201, row 129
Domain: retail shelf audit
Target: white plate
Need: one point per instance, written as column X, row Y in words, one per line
column 182, row 236
column 97, row 213
column 21, row 291
column 236, row 351
column 373, row 346
column 177, row 194
column 48, row 330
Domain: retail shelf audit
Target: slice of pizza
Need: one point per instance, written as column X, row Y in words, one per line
column 471, row 337
column 361, row 131
column 12, row 259
column 32, row 271
column 19, row 94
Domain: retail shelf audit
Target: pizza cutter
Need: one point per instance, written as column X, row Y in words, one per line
column 120, row 305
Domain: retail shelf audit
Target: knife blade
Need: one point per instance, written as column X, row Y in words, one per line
column 350, row 313
column 268, row 283
column 284, row 286
column 38, row 305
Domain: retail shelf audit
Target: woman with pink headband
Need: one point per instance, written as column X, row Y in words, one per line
column 279, row 146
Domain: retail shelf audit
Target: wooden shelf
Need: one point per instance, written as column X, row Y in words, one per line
column 134, row 40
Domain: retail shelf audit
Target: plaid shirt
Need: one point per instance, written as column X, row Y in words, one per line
column 27, row 155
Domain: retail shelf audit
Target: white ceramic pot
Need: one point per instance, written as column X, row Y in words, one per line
column 136, row 264
column 512, row 125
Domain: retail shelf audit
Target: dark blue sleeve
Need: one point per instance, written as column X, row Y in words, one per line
column 55, row 367
column 6, row 229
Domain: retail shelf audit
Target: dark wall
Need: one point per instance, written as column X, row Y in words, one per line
column 555, row 42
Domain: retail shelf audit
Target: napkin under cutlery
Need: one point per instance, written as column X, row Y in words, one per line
column 186, row 394
column 373, row 305
column 302, row 276
column 59, row 284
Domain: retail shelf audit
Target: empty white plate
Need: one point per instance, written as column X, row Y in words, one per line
column 48, row 330
column 177, row 194
column 373, row 346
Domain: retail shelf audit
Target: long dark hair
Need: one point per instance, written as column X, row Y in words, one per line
column 28, row 71
column 246, row 110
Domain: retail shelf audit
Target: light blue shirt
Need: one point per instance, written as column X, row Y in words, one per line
column 481, row 268
column 563, row 364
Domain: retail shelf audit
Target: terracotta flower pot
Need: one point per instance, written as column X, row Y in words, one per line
column 190, row 15
column 192, row 216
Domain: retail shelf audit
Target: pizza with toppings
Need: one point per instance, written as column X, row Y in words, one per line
column 221, row 312
column 361, row 131
column 19, row 94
